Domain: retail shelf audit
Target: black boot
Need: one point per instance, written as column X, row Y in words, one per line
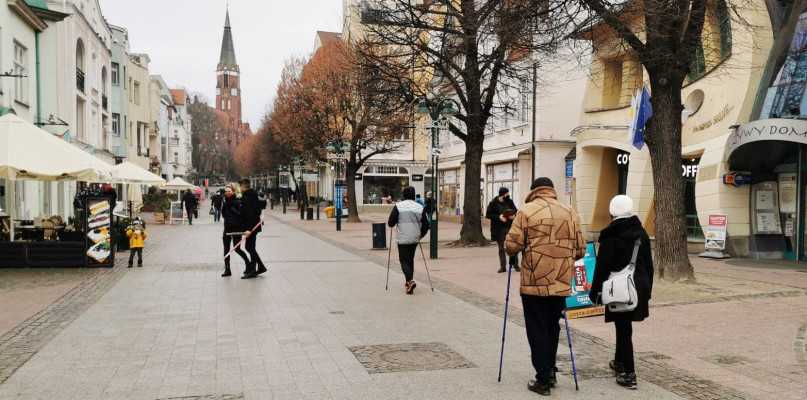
column 626, row 380
column 544, row 389
column 226, row 272
column 553, row 379
column 615, row 366
column 501, row 269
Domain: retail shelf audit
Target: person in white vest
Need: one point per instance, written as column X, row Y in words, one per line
column 411, row 224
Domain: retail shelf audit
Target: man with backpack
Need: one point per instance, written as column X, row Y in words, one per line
column 253, row 206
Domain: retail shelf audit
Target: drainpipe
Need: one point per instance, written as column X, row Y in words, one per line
column 38, row 83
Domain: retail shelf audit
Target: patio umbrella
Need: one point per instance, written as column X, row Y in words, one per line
column 127, row 172
column 178, row 184
column 30, row 153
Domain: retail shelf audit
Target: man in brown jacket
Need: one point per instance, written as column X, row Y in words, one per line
column 548, row 232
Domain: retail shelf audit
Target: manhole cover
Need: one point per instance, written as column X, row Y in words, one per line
column 208, row 397
column 409, row 357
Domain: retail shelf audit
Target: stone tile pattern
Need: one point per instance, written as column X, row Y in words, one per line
column 409, row 357
column 723, row 299
column 800, row 346
column 591, row 353
column 208, row 397
column 19, row 344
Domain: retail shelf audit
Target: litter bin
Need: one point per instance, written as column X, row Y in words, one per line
column 379, row 236
column 309, row 213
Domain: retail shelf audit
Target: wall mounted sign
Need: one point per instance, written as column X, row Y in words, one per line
column 417, row 178
column 358, row 177
column 622, row 158
column 789, row 130
column 737, row 179
column 716, row 119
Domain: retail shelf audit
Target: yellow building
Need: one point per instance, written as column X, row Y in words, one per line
column 719, row 95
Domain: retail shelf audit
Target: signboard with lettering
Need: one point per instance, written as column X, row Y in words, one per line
column 341, row 190
column 715, row 232
column 358, row 177
column 790, row 130
column 417, row 178
column 622, row 158
column 582, row 277
column 737, row 179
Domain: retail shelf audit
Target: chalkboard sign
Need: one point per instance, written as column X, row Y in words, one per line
column 98, row 226
column 175, row 213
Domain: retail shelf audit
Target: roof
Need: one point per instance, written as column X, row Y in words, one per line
column 180, row 96
column 38, row 3
column 327, row 37
column 227, row 57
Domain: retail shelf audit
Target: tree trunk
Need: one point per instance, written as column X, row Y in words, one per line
column 471, row 233
column 663, row 137
column 352, row 206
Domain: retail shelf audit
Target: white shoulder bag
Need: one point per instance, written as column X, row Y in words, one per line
column 619, row 291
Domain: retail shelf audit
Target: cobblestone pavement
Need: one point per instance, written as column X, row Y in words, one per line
column 176, row 330
column 736, row 328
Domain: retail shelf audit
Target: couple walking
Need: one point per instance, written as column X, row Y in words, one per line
column 549, row 234
column 242, row 217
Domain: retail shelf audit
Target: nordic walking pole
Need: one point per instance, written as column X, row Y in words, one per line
column 428, row 274
column 571, row 352
column 229, row 253
column 504, row 325
column 389, row 256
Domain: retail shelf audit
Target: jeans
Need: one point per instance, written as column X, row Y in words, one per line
column 189, row 211
column 406, row 256
column 624, row 345
column 503, row 254
column 253, row 253
column 216, row 214
column 542, row 319
column 227, row 241
column 139, row 251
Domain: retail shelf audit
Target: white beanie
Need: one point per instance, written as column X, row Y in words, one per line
column 621, row 207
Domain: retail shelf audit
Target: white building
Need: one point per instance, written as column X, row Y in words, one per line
column 180, row 147
column 119, row 98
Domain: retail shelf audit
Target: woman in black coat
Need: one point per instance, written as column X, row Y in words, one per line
column 231, row 211
column 616, row 248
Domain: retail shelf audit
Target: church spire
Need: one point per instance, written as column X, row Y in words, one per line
column 227, row 57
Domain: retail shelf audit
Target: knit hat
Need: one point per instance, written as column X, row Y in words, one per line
column 503, row 191
column 621, row 207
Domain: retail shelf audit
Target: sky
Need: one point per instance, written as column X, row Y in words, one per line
column 183, row 39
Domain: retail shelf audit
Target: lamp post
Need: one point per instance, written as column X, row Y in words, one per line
column 337, row 147
column 438, row 110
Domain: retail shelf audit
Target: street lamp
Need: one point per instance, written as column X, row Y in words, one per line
column 438, row 110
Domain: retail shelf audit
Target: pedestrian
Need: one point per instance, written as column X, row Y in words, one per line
column 233, row 223
column 252, row 209
column 501, row 212
column 430, row 206
column 419, row 200
column 215, row 204
column 136, row 232
column 548, row 232
column 617, row 241
column 411, row 225
column 189, row 202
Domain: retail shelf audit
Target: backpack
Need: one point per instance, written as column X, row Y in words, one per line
column 619, row 291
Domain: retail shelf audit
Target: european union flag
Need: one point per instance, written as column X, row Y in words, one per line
column 643, row 110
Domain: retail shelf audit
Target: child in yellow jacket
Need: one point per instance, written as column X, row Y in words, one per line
column 136, row 232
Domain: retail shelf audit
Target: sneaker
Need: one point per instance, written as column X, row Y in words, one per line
column 626, row 380
column 410, row 287
column 535, row 386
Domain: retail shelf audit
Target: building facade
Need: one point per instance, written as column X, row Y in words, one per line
column 139, row 112
column 180, row 147
column 719, row 96
column 119, row 93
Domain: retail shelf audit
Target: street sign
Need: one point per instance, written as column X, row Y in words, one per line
column 340, row 194
column 336, row 156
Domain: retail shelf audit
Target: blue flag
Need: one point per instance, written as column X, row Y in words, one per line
column 643, row 110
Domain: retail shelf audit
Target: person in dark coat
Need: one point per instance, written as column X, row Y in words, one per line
column 501, row 212
column 253, row 206
column 215, row 202
column 233, row 223
column 190, row 202
column 616, row 249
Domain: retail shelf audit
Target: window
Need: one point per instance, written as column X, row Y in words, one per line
column 612, row 82
column 115, row 74
column 223, row 104
column 20, row 68
column 218, row 91
column 234, row 92
column 226, row 80
column 136, row 90
column 116, row 124
column 525, row 102
column 124, row 78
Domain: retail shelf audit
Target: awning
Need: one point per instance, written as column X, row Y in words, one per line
column 770, row 138
column 450, row 164
column 28, row 152
column 178, row 184
column 503, row 156
column 127, row 172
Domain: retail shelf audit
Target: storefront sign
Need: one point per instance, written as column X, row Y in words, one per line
column 690, row 171
column 582, row 277
column 450, row 177
column 737, row 179
column 569, row 168
column 715, row 232
column 310, row 177
column 358, row 177
column 790, row 130
column 417, row 178
column 717, row 118
column 503, row 172
column 622, row 158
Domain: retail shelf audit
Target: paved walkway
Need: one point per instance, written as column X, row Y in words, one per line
column 742, row 326
column 175, row 328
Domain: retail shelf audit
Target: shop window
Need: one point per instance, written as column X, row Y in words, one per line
column 498, row 176
column 612, row 82
column 449, row 191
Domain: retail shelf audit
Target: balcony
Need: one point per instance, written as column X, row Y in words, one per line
column 80, row 80
column 105, row 103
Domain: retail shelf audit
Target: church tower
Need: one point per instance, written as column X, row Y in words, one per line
column 228, row 79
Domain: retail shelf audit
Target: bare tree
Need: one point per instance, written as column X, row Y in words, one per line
column 469, row 51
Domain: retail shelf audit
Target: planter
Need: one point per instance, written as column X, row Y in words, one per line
column 159, row 218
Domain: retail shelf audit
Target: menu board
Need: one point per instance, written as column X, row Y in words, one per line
column 99, row 225
column 175, row 213
column 765, row 219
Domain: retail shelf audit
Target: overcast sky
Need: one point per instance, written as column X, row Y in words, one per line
column 183, row 39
